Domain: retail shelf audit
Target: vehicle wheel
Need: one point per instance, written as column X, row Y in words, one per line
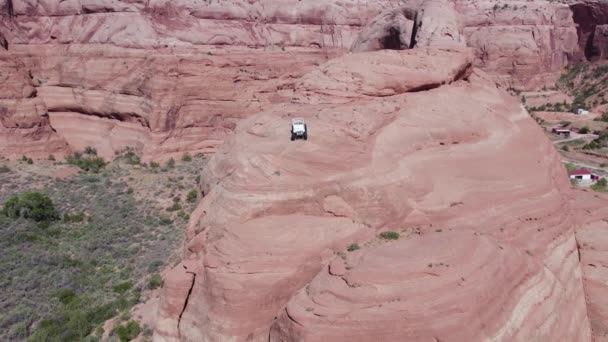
column 293, row 137
column 305, row 136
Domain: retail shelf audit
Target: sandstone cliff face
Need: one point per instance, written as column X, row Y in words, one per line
column 175, row 76
column 460, row 170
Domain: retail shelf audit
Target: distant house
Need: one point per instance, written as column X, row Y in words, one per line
column 581, row 111
column 561, row 131
column 583, row 174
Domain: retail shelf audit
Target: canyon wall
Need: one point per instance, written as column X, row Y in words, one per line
column 166, row 77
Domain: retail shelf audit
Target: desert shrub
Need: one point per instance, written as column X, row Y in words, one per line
column 31, row 205
column 30, row 161
column 51, row 157
column 187, row 157
column 192, row 196
column 155, row 282
column 584, row 130
column 122, row 287
column 565, row 148
column 127, row 332
column 87, row 162
column 353, row 247
column 4, row 169
column 131, row 157
column 175, row 207
column 154, row 165
column 389, row 235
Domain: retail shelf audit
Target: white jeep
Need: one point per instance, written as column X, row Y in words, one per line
column 298, row 129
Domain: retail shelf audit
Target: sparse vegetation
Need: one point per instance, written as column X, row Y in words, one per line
column 587, row 83
column 87, row 161
column 584, row 130
column 62, row 278
column 186, row 157
column 389, row 235
column 129, row 156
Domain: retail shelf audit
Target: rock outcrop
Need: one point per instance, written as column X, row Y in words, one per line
column 459, row 170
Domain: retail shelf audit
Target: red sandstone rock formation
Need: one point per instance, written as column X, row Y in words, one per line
column 460, row 170
column 413, row 141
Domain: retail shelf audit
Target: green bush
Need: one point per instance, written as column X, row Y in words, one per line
column 584, row 130
column 155, row 281
column 30, row 161
column 4, row 169
column 51, row 157
column 389, row 235
column 88, row 162
column 154, row 165
column 353, row 247
column 187, row 157
column 127, row 332
column 30, row 205
column 192, row 196
column 565, row 148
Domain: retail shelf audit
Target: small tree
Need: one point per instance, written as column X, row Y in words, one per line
column 187, row 157
column 31, row 205
column 584, row 130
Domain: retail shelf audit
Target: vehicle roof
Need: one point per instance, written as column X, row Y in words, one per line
column 297, row 121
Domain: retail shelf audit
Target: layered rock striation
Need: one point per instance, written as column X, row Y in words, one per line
column 454, row 165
